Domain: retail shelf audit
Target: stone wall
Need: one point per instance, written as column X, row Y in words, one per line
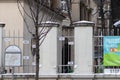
column 62, row 77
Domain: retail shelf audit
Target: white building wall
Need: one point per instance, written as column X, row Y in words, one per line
column 75, row 10
column 10, row 15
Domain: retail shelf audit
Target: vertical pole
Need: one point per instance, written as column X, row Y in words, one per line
column 103, row 27
column 1, row 48
column 102, row 16
column 110, row 17
column 37, row 40
column 1, row 39
column 12, row 72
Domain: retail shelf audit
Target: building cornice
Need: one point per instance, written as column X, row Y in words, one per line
column 83, row 23
column 49, row 24
column 2, row 24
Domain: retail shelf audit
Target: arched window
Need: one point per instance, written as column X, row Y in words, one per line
column 12, row 56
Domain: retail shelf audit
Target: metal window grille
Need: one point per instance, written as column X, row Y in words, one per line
column 67, row 55
column 99, row 33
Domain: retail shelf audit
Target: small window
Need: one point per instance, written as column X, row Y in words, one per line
column 64, row 5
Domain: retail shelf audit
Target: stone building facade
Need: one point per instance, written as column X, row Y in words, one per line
column 68, row 51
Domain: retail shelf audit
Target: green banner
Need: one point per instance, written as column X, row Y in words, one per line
column 111, row 54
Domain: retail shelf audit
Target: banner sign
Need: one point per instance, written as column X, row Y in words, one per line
column 111, row 54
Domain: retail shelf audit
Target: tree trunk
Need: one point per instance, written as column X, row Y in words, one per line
column 37, row 41
column 37, row 54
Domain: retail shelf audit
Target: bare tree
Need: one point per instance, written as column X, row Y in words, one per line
column 34, row 13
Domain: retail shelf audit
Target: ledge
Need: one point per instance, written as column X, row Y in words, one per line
column 50, row 76
column 29, row 75
column 64, row 76
column 49, row 24
column 2, row 24
column 83, row 23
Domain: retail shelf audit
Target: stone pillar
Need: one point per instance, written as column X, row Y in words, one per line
column 48, row 51
column 83, row 35
column 1, row 42
column 75, row 7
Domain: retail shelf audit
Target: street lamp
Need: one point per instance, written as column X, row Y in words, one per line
column 117, row 24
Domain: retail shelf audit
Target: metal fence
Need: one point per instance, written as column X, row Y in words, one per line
column 99, row 33
column 67, row 54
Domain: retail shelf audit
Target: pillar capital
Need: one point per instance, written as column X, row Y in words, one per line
column 49, row 24
column 83, row 23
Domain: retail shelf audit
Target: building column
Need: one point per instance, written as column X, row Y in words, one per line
column 83, row 35
column 48, row 51
column 75, row 7
column 1, row 42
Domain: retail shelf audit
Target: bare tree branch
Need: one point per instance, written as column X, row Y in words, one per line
column 19, row 3
column 31, row 11
column 44, row 34
column 24, row 18
column 38, row 12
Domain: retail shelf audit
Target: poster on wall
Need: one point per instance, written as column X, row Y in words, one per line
column 111, row 54
column 12, row 59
